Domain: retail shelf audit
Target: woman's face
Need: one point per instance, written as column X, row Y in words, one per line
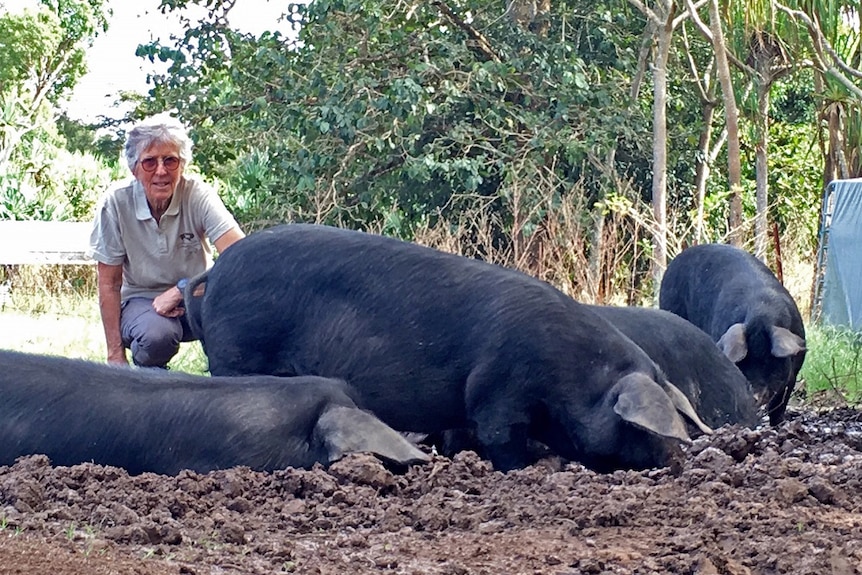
column 160, row 183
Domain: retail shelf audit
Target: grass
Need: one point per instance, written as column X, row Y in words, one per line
column 63, row 319
column 831, row 369
column 43, row 311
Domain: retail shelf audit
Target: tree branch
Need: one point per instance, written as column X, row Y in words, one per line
column 652, row 17
column 690, row 8
column 836, row 70
column 480, row 42
column 821, row 43
column 702, row 82
column 707, row 33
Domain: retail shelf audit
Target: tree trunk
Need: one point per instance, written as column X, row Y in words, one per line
column 770, row 63
column 734, row 163
column 836, row 163
column 659, row 179
column 542, row 22
column 761, row 169
column 703, row 167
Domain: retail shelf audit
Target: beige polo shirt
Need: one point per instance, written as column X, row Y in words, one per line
column 157, row 255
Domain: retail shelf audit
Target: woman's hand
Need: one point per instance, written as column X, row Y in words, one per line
column 168, row 303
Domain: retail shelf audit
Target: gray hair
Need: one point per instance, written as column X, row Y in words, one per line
column 158, row 129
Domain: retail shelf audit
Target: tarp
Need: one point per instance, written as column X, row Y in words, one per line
column 841, row 238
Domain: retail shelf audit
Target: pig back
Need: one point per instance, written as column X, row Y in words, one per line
column 691, row 361
column 404, row 324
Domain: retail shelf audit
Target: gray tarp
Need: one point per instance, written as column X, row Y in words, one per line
column 841, row 303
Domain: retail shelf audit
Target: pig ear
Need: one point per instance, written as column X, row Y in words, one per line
column 681, row 402
column 785, row 343
column 348, row 429
column 732, row 343
column 644, row 403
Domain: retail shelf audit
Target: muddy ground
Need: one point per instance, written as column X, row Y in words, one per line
column 771, row 500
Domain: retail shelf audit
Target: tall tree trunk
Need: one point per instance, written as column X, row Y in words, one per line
column 703, row 166
column 734, row 163
column 661, row 21
column 770, row 63
column 836, row 163
column 761, row 169
column 659, row 149
column 706, row 91
column 647, row 42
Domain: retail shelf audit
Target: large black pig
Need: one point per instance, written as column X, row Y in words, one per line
column 433, row 341
column 76, row 411
column 739, row 302
column 717, row 389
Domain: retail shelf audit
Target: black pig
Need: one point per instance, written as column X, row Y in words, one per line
column 739, row 302
column 717, row 389
column 76, row 411
column 433, row 341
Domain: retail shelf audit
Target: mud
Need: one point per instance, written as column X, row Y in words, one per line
column 764, row 501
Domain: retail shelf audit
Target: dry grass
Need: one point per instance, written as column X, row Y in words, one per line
column 597, row 255
column 592, row 255
column 54, row 310
column 43, row 286
column 77, row 333
column 50, row 309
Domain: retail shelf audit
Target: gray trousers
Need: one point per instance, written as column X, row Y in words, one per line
column 153, row 339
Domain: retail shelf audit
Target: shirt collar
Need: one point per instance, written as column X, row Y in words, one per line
column 142, row 208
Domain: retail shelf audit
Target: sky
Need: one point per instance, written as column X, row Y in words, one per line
column 113, row 66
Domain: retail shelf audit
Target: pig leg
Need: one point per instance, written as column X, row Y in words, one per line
column 499, row 416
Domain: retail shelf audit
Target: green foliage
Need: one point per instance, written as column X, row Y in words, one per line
column 832, row 365
column 90, row 139
column 795, row 182
column 42, row 51
column 47, row 182
column 81, row 179
column 26, row 39
column 18, row 201
column 190, row 359
column 389, row 117
column 402, row 117
column 42, row 56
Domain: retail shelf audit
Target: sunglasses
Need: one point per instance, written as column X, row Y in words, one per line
column 170, row 163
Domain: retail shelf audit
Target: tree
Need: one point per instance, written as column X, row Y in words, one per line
column 764, row 46
column 408, row 110
column 715, row 34
column 42, row 56
column 662, row 20
column 401, row 117
column 408, row 116
column 833, row 49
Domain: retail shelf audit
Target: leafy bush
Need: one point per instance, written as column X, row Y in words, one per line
column 402, row 117
column 54, row 184
column 399, row 120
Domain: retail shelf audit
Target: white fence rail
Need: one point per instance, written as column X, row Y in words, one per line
column 36, row 242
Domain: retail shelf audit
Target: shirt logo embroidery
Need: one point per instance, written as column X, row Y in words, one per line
column 187, row 236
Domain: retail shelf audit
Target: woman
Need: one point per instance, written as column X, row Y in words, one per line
column 148, row 237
